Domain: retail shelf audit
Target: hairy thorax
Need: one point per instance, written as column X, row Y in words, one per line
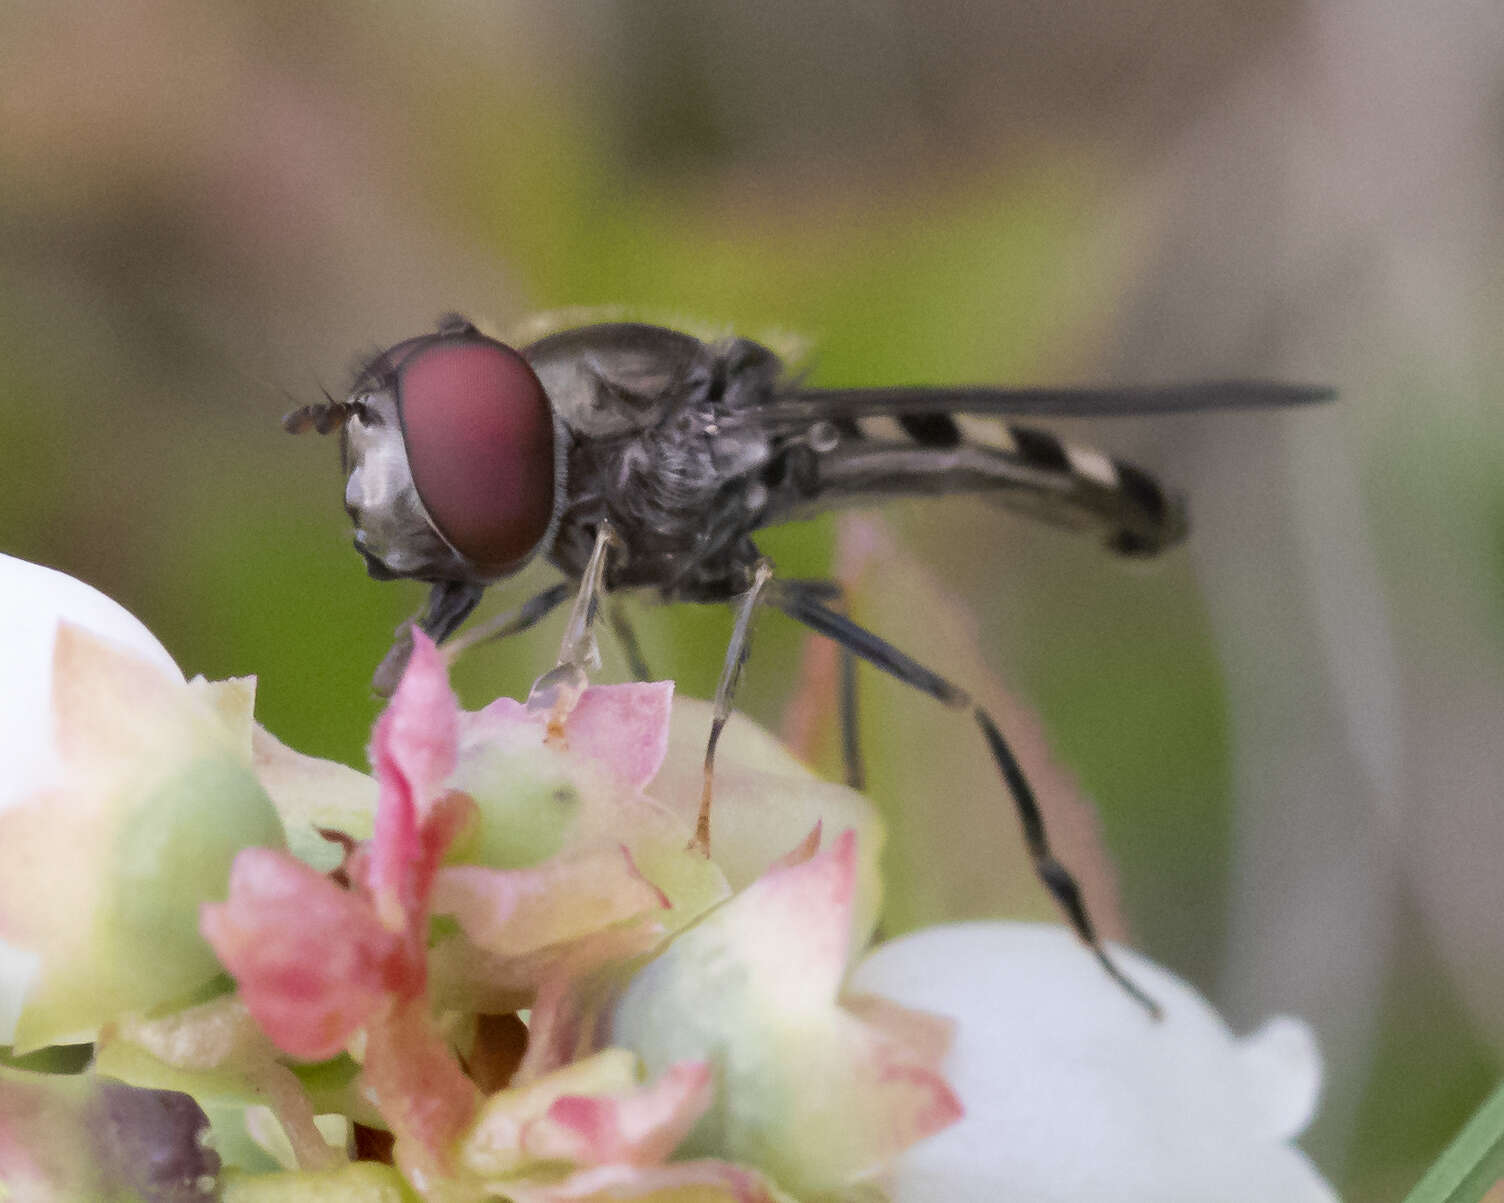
column 678, row 495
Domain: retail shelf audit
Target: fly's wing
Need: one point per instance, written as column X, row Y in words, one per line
column 856, row 446
column 798, row 405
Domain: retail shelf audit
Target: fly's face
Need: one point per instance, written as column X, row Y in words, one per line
column 451, row 453
column 393, row 528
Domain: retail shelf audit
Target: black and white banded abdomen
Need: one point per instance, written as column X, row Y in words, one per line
column 861, row 460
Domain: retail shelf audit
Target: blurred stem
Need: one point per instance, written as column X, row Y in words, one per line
column 1471, row 1163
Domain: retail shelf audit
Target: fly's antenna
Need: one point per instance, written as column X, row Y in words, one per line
column 325, row 417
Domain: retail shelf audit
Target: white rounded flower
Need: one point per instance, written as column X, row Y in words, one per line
column 1073, row 1094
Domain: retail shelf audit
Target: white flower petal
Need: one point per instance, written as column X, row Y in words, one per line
column 1284, row 1073
column 1073, row 1094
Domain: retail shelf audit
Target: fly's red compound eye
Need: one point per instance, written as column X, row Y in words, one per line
column 479, row 435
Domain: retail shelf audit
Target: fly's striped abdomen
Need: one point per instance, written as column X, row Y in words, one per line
column 861, row 459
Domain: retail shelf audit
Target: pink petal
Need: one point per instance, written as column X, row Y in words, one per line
column 418, row 731
column 811, row 899
column 804, row 850
column 312, row 963
column 623, row 729
column 497, row 716
column 450, row 815
column 818, row 1097
column 518, row 911
column 893, row 1098
column 413, row 752
column 420, row 1089
column 565, row 1021
column 394, row 851
column 109, row 703
column 928, row 1037
column 641, row 1128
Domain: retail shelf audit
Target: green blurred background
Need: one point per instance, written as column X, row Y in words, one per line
column 1291, row 728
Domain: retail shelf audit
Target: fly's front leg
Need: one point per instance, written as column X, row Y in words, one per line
column 449, row 604
column 513, row 622
column 731, row 671
column 556, row 691
column 799, row 601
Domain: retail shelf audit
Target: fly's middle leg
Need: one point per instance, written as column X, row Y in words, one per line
column 731, row 671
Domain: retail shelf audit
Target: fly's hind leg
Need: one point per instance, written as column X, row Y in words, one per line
column 731, row 671
column 556, row 691
column 806, row 606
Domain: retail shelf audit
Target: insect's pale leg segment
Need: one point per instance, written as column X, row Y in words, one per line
column 626, row 638
column 731, row 671
column 804, row 606
column 557, row 690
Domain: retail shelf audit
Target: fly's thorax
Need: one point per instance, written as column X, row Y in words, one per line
column 393, row 530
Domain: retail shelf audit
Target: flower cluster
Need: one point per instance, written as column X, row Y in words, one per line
column 497, row 968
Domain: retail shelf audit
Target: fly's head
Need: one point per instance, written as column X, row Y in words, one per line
column 452, row 458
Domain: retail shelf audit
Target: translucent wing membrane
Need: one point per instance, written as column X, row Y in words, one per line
column 857, row 446
column 814, row 404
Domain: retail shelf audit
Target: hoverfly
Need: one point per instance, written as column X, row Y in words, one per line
column 637, row 457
